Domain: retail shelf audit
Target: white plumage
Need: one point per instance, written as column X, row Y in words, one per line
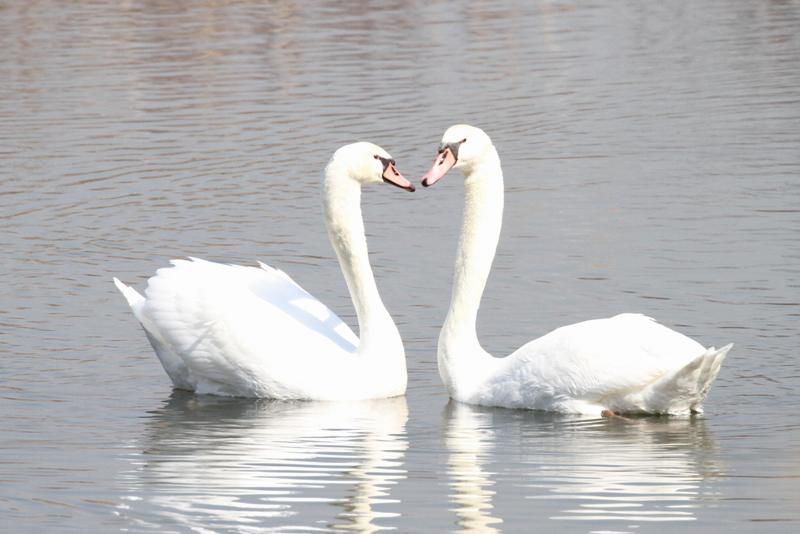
column 628, row 363
column 254, row 332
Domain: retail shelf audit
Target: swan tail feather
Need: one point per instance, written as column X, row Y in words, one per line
column 713, row 365
column 684, row 390
column 172, row 363
column 133, row 297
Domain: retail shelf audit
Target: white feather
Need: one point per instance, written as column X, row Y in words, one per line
column 627, row 363
column 254, row 332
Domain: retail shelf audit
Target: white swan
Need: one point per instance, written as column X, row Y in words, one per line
column 253, row 332
column 627, row 363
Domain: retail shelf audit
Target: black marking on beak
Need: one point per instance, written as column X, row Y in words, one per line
column 386, row 162
column 453, row 148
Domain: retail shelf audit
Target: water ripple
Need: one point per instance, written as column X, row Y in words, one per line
column 651, row 164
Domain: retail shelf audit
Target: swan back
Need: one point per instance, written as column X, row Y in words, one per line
column 244, row 330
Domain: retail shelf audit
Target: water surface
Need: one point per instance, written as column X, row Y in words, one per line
column 651, row 164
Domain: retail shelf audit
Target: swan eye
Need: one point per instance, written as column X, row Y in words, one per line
column 376, row 156
column 464, row 140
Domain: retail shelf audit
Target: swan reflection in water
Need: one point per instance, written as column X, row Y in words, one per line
column 211, row 463
column 617, row 472
column 469, row 440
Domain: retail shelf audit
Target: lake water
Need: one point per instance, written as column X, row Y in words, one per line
column 652, row 162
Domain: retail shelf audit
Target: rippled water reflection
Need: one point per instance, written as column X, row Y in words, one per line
column 651, row 164
column 217, row 464
column 468, row 443
column 601, row 471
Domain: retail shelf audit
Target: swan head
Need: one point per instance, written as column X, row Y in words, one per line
column 367, row 163
column 462, row 147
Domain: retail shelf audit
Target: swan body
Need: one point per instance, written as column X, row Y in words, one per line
column 624, row 364
column 254, row 332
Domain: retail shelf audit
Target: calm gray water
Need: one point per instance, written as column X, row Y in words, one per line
column 652, row 162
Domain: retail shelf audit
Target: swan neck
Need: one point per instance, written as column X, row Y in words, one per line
column 343, row 220
column 480, row 232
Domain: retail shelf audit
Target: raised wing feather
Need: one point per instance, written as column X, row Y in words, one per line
column 244, row 330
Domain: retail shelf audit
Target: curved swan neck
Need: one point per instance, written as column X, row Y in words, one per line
column 480, row 232
column 342, row 206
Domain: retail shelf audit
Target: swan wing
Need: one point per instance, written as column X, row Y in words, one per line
column 243, row 331
column 597, row 362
